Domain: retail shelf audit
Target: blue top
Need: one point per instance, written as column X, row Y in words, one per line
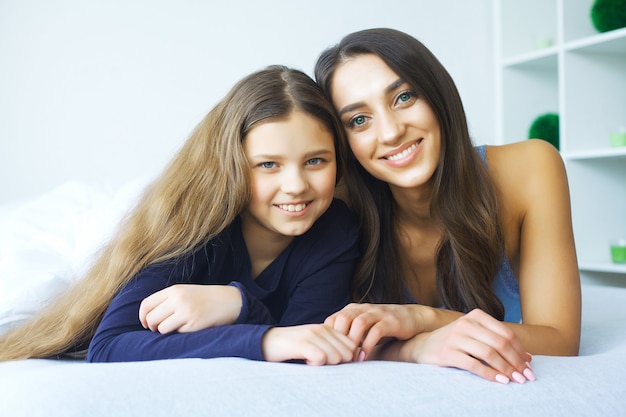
column 505, row 285
column 307, row 282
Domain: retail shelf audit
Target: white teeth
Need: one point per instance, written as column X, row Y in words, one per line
column 292, row 207
column 403, row 154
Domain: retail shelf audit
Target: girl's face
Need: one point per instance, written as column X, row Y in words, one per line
column 293, row 173
column 392, row 132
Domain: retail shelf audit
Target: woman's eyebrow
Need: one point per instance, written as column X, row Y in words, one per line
column 354, row 106
column 394, row 85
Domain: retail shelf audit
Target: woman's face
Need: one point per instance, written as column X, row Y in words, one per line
column 293, row 172
column 392, row 132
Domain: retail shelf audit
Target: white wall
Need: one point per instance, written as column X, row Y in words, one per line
column 108, row 90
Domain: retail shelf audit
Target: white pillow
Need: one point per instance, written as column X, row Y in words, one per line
column 48, row 242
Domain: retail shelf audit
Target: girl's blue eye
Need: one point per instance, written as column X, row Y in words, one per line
column 314, row 161
column 268, row 165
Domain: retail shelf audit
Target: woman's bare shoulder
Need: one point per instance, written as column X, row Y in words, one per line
column 523, row 160
column 529, row 169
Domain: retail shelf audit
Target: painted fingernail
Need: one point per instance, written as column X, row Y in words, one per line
column 529, row 374
column 531, row 356
column 519, row 378
column 361, row 356
column 502, row 379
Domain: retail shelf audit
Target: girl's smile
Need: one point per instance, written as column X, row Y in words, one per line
column 293, row 174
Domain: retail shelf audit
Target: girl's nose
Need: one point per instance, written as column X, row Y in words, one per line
column 294, row 182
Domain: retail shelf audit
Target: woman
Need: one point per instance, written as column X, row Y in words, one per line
column 483, row 232
column 235, row 250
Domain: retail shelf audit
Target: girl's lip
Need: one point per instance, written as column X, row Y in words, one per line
column 294, row 208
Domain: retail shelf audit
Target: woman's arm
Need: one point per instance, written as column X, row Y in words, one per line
column 532, row 183
column 532, row 180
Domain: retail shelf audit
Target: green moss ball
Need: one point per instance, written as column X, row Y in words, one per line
column 608, row 14
column 546, row 127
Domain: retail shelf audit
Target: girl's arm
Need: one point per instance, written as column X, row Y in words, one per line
column 318, row 276
column 121, row 337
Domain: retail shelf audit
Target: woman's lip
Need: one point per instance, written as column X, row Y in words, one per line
column 401, row 149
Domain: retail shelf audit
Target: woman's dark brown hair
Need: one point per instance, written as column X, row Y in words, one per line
column 463, row 200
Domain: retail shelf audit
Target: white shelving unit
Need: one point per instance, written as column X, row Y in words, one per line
column 550, row 58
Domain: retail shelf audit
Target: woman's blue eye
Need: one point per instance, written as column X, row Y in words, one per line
column 357, row 121
column 268, row 165
column 406, row 96
column 314, row 161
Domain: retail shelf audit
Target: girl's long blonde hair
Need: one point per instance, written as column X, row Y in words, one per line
column 197, row 196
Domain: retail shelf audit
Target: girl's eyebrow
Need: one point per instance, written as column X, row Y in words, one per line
column 317, row 152
column 354, row 106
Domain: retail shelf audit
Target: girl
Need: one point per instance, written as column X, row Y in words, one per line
column 235, row 250
column 483, row 232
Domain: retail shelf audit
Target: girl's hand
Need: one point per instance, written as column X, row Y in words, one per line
column 316, row 344
column 190, row 307
column 475, row 342
column 367, row 325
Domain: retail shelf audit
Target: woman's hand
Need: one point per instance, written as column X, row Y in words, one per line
column 368, row 325
column 190, row 307
column 476, row 342
column 316, row 344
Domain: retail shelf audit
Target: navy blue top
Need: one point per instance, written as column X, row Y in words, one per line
column 307, row 282
column 505, row 285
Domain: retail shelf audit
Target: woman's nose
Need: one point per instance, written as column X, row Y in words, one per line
column 390, row 127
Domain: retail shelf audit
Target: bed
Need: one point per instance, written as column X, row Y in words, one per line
column 46, row 242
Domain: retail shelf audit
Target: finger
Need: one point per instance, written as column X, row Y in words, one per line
column 481, row 369
column 148, row 304
column 157, row 315
column 343, row 345
column 328, row 347
column 510, row 356
column 171, row 324
column 341, row 322
column 494, row 358
column 360, row 326
column 321, row 352
column 505, row 332
column 373, row 338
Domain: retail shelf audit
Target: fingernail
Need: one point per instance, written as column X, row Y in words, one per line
column 361, row 356
column 519, row 378
column 529, row 374
column 531, row 356
column 502, row 379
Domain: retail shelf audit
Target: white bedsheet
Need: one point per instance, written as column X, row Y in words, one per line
column 589, row 385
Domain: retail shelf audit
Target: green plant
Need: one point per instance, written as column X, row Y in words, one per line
column 546, row 127
column 608, row 14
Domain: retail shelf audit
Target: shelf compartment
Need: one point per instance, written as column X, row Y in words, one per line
column 595, row 92
column 602, row 266
column 577, row 22
column 601, row 153
column 613, row 42
column 598, row 200
column 518, row 36
column 530, row 89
